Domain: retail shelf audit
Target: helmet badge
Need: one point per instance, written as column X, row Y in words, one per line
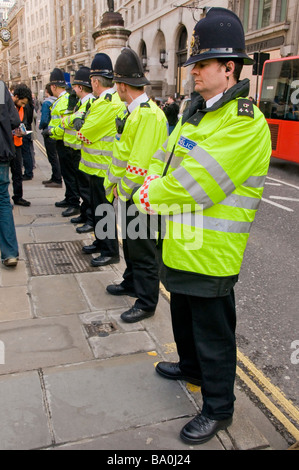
column 195, row 44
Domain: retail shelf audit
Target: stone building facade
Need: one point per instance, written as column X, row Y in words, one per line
column 5, row 6
column 161, row 32
column 65, row 34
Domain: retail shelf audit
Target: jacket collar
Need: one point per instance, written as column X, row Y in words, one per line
column 196, row 111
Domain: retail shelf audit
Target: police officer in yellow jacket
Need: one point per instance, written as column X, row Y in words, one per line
column 56, row 131
column 212, row 174
column 144, row 130
column 97, row 136
column 71, row 124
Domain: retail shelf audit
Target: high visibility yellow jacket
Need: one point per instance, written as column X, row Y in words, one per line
column 98, row 132
column 58, row 111
column 70, row 134
column 144, row 132
column 214, row 183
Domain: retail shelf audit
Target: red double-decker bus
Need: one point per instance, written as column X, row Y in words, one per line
column 279, row 101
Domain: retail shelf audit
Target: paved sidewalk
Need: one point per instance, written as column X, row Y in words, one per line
column 74, row 375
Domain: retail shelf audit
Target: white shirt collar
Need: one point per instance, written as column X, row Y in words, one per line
column 140, row 99
column 214, row 100
column 62, row 93
column 87, row 97
column 105, row 92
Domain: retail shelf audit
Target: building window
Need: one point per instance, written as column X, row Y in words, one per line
column 182, row 56
column 281, row 11
column 244, row 14
column 264, row 13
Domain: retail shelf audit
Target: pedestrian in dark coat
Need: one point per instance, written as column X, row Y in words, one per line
column 9, row 120
column 171, row 110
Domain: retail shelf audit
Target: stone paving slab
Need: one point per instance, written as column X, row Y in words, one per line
column 65, row 233
column 151, row 438
column 39, row 210
column 244, row 432
column 123, row 393
column 14, row 277
column 51, row 221
column 38, row 343
column 23, row 220
column 22, row 416
column 57, row 295
column 118, row 344
column 94, row 286
column 14, row 303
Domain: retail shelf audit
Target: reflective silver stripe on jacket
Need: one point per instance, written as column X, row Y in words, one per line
column 107, row 139
column 242, row 202
column 255, row 182
column 123, row 191
column 55, row 116
column 193, row 188
column 73, row 146
column 223, row 225
column 113, row 179
column 97, row 166
column 160, row 155
column 70, row 132
column 211, row 223
column 105, row 153
column 213, row 168
column 129, row 183
column 164, row 157
column 176, row 161
column 119, row 163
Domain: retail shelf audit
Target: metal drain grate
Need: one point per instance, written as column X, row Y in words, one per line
column 46, row 259
column 100, row 329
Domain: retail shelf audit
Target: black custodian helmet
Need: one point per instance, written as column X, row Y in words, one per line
column 101, row 66
column 82, row 77
column 128, row 69
column 219, row 35
column 57, row 78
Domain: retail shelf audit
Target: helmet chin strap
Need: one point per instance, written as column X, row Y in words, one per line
column 131, row 97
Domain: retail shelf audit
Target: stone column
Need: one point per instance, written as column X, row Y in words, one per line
column 111, row 35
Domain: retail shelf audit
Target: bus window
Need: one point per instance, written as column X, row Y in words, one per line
column 280, row 90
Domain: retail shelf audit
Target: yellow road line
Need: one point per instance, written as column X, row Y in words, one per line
column 268, row 403
column 272, row 389
column 40, row 146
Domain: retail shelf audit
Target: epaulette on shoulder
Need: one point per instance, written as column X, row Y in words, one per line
column 245, row 108
column 108, row 97
column 145, row 105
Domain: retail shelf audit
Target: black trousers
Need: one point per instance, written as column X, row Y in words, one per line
column 204, row 331
column 142, row 268
column 105, row 220
column 69, row 174
column 83, row 184
column 16, row 166
column 51, row 150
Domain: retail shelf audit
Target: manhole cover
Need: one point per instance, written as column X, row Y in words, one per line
column 100, row 329
column 46, row 259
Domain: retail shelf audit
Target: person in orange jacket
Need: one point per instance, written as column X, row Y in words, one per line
column 21, row 96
